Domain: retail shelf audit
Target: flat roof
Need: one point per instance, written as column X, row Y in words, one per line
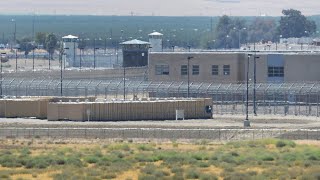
column 242, row 52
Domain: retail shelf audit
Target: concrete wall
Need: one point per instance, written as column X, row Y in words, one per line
column 302, row 68
column 205, row 62
column 298, row 67
column 34, row 106
column 12, row 108
column 129, row 110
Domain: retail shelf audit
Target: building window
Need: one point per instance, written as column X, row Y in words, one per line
column 162, row 69
column 274, row 71
column 195, row 70
column 215, row 70
column 226, row 70
column 184, row 70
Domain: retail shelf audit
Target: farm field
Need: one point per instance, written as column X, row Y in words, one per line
column 96, row 159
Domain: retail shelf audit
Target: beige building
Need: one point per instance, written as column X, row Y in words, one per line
column 231, row 67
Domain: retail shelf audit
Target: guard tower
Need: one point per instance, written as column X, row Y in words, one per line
column 155, row 40
column 135, row 53
column 70, row 44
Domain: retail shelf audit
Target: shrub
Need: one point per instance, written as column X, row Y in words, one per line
column 109, row 176
column 208, row 177
column 236, row 176
column 144, row 158
column 124, row 147
column 160, row 174
column 91, row 159
column 192, row 174
column 203, row 164
column 283, row 143
column 74, row 161
column 149, row 169
column 267, row 158
column 144, row 147
column 146, row 177
column 176, row 169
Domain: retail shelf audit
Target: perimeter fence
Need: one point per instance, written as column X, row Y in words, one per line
column 158, row 133
column 299, row 99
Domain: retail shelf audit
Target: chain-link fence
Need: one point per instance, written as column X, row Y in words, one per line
column 270, row 98
column 158, row 133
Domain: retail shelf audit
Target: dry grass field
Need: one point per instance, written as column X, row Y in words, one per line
column 96, row 159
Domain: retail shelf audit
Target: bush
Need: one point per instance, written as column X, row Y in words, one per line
column 208, row 177
column 176, row 169
column 203, row 164
column 74, row 161
column 91, row 159
column 144, row 147
column 149, row 169
column 124, row 147
column 109, row 176
column 267, row 158
column 160, row 174
column 236, row 176
column 146, row 177
column 192, row 174
column 283, row 143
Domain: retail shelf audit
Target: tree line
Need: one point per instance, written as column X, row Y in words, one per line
column 195, row 32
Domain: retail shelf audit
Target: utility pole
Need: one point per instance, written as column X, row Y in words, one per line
column 189, row 57
column 246, row 122
column 255, row 81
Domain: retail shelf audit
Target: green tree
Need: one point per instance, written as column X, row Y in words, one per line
column 51, row 44
column 40, row 38
column 26, row 45
column 294, row 24
column 262, row 29
column 229, row 31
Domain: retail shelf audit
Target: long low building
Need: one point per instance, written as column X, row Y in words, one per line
column 231, row 67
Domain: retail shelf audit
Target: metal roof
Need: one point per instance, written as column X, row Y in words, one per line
column 155, row 34
column 70, row 37
column 134, row 41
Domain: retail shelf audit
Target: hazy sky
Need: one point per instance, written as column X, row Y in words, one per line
column 159, row 7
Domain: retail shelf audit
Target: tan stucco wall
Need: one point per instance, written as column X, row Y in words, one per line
column 300, row 68
column 204, row 60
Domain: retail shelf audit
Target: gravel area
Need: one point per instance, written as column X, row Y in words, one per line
column 226, row 121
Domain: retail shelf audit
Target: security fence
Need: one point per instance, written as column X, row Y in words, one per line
column 270, row 98
column 158, row 133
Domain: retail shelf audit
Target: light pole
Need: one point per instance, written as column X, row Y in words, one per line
column 2, row 54
column 189, row 57
column 124, row 79
column 61, row 65
column 246, row 122
column 81, row 51
column 94, row 53
column 17, row 59
column 15, row 31
column 254, row 82
column 33, row 47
